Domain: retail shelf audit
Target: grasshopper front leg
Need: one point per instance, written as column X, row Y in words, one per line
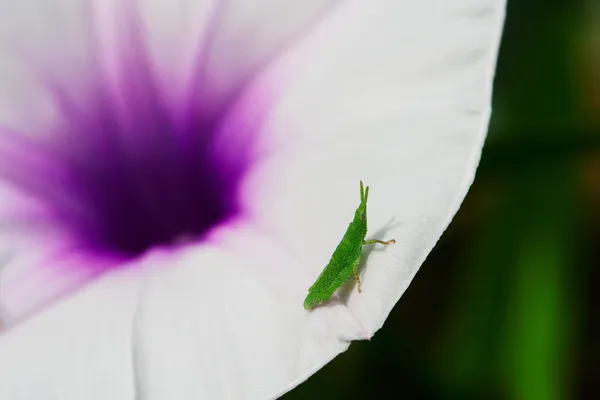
column 372, row 241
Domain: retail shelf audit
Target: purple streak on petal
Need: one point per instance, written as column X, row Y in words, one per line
column 133, row 91
column 197, row 99
column 45, row 280
column 36, row 170
column 212, row 98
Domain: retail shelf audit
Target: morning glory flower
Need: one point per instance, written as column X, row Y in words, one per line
column 175, row 174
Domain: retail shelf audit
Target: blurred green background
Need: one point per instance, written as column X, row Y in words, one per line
column 506, row 306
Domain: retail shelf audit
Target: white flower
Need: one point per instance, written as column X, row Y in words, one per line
column 175, row 174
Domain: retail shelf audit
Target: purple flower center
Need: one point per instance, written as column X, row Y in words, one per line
column 127, row 171
column 167, row 183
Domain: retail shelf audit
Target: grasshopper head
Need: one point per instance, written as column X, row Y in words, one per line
column 361, row 211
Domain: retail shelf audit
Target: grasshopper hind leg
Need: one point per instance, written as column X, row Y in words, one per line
column 355, row 267
column 373, row 241
column 358, row 283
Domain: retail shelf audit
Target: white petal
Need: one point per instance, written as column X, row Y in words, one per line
column 41, row 42
column 394, row 93
column 228, row 323
column 78, row 349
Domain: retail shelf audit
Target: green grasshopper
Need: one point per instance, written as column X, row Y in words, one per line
column 345, row 260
